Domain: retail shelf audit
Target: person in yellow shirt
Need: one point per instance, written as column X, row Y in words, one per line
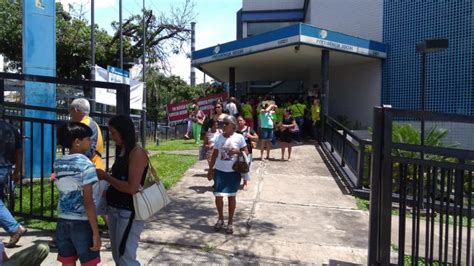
column 316, row 118
column 79, row 110
column 247, row 113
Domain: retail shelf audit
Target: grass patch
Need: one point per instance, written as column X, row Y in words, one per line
column 174, row 145
column 362, row 204
column 207, row 248
column 169, row 167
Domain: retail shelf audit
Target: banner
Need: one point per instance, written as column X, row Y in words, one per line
column 116, row 75
column 178, row 112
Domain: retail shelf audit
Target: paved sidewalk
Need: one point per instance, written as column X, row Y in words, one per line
column 293, row 212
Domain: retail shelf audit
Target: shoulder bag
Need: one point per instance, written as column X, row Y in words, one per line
column 151, row 197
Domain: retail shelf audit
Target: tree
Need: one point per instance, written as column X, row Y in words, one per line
column 10, row 32
column 165, row 34
column 162, row 90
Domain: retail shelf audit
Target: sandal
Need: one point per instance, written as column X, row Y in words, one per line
column 229, row 230
column 16, row 237
column 219, row 225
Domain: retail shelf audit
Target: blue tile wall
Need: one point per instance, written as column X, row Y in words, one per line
column 450, row 83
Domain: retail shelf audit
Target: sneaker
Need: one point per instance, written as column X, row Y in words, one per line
column 229, row 230
column 219, row 225
column 16, row 237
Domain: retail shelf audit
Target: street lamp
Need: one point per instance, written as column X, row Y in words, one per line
column 424, row 47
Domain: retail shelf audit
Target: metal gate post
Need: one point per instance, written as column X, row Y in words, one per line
column 381, row 191
column 375, row 188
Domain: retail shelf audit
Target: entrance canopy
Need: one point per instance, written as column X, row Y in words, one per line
column 290, row 53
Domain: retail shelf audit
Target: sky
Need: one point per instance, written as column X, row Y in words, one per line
column 215, row 23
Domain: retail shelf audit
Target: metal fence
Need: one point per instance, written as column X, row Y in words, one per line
column 348, row 151
column 157, row 132
column 421, row 196
column 35, row 196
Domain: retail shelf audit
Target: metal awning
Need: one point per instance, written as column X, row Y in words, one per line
column 290, row 53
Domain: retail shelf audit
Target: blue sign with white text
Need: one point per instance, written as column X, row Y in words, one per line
column 39, row 58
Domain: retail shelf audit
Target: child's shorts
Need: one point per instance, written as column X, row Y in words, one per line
column 74, row 240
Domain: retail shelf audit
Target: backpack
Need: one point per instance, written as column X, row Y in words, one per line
column 7, row 143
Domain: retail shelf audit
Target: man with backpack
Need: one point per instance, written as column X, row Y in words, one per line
column 11, row 153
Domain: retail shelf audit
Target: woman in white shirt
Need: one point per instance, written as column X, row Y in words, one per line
column 228, row 147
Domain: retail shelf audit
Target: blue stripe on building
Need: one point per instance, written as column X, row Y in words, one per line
column 296, row 30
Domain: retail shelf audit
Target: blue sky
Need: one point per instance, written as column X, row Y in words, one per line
column 215, row 22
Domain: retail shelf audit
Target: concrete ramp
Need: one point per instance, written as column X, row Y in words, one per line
column 293, row 212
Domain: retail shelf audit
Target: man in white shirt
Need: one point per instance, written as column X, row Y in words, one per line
column 231, row 106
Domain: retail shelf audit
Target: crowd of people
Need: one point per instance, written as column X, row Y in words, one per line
column 282, row 122
column 232, row 131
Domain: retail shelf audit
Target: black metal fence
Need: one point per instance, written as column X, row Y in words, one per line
column 35, row 196
column 350, row 152
column 421, row 196
column 157, row 132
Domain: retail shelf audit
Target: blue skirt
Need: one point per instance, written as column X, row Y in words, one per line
column 226, row 184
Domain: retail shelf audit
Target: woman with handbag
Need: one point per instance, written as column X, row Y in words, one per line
column 288, row 128
column 251, row 139
column 226, row 169
column 128, row 173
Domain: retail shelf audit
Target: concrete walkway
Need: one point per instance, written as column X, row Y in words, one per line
column 293, row 212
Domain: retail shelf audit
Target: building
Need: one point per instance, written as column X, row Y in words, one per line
column 357, row 53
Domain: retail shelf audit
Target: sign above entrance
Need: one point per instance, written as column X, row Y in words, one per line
column 298, row 34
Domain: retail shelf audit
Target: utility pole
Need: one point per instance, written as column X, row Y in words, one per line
column 120, row 35
column 144, row 122
column 91, row 91
column 193, row 48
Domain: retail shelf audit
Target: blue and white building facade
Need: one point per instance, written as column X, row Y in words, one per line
column 359, row 53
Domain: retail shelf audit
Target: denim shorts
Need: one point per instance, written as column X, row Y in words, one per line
column 266, row 133
column 74, row 240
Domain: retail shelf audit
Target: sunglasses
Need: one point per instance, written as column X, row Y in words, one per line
column 226, row 123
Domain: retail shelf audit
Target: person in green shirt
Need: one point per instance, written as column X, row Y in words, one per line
column 315, row 118
column 247, row 113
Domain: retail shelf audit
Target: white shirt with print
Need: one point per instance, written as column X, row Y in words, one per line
column 225, row 161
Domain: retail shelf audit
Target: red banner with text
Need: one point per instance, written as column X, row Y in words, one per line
column 178, row 112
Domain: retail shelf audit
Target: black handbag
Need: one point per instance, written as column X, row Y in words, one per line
column 241, row 165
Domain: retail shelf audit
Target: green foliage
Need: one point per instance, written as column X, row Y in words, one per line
column 162, row 90
column 174, row 145
column 10, row 31
column 407, row 134
column 170, row 168
column 166, row 34
column 362, row 204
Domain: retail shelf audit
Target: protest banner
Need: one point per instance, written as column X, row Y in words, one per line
column 178, row 112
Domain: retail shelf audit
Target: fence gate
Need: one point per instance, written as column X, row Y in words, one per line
column 421, row 195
